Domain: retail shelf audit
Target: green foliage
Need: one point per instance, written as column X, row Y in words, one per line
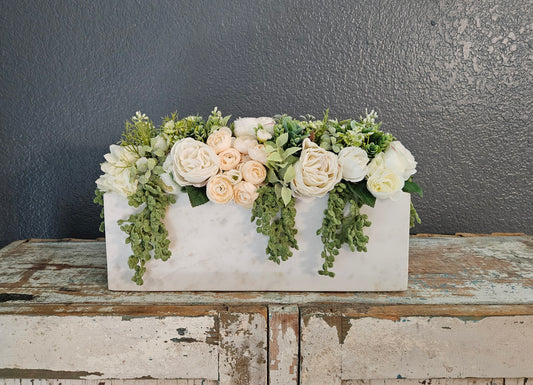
column 296, row 130
column 275, row 219
column 414, row 218
column 99, row 200
column 338, row 229
column 197, row 195
column 138, row 132
column 412, row 187
column 280, row 165
column 146, row 231
column 192, row 126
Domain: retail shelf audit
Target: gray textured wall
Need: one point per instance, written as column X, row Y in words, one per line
column 451, row 79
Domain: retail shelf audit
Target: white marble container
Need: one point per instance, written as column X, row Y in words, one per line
column 215, row 247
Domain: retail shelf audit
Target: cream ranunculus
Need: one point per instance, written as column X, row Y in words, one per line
column 219, row 189
column 258, row 152
column 169, row 184
column 267, row 124
column 245, row 194
column 400, row 160
column 263, row 135
column 317, row 171
column 253, row 172
column 385, row 184
column 121, row 183
column 244, row 143
column 220, row 140
column 229, row 158
column 233, row 175
column 193, row 162
column 354, row 161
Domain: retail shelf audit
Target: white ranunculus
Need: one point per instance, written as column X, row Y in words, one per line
column 229, row 158
column 219, row 189
column 263, row 135
column 248, row 126
column 385, row 184
column 245, row 194
column 159, row 144
column 193, row 162
column 244, row 143
column 258, row 152
column 317, row 171
column 170, row 185
column 377, row 164
column 354, row 161
column 400, row 160
column 234, row 175
column 220, row 140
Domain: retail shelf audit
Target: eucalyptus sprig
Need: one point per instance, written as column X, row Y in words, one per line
column 275, row 219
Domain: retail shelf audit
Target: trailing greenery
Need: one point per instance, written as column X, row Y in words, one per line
column 99, row 200
column 275, row 219
column 339, row 228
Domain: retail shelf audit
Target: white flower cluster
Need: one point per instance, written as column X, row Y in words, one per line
column 119, row 171
column 231, row 168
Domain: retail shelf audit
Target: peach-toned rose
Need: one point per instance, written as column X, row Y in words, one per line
column 253, row 172
column 245, row 193
column 229, row 158
column 244, row 143
column 220, row 140
column 219, row 189
column 258, row 153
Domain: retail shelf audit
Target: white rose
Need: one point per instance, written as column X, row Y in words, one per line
column 317, row 171
column 245, row 194
column 385, row 184
column 263, row 135
column 258, row 152
column 220, row 140
column 219, row 189
column 244, row 143
column 193, row 162
column 377, row 164
column 354, row 162
column 229, row 158
column 253, row 172
column 400, row 160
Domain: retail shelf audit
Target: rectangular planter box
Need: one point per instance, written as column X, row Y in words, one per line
column 215, row 247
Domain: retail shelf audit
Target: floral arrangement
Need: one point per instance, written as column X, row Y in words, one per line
column 263, row 164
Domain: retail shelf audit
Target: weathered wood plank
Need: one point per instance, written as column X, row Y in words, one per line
column 243, row 347
column 443, row 270
column 440, row 381
column 438, row 346
column 109, row 347
column 32, row 381
column 283, row 345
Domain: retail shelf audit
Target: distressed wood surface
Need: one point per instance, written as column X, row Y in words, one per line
column 226, row 345
column 441, row 381
column 26, row 381
column 354, row 344
column 284, row 335
column 443, row 270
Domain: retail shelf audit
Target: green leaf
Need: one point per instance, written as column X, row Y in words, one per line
column 197, row 195
column 286, row 195
column 274, row 157
column 361, row 192
column 277, row 189
column 282, row 139
column 291, row 151
column 272, row 177
column 412, row 187
column 290, row 173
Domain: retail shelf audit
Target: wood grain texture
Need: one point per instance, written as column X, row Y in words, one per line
column 283, row 348
column 443, row 270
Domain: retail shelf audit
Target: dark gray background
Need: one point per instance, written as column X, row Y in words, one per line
column 451, row 79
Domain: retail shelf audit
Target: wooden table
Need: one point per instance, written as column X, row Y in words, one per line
column 467, row 316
